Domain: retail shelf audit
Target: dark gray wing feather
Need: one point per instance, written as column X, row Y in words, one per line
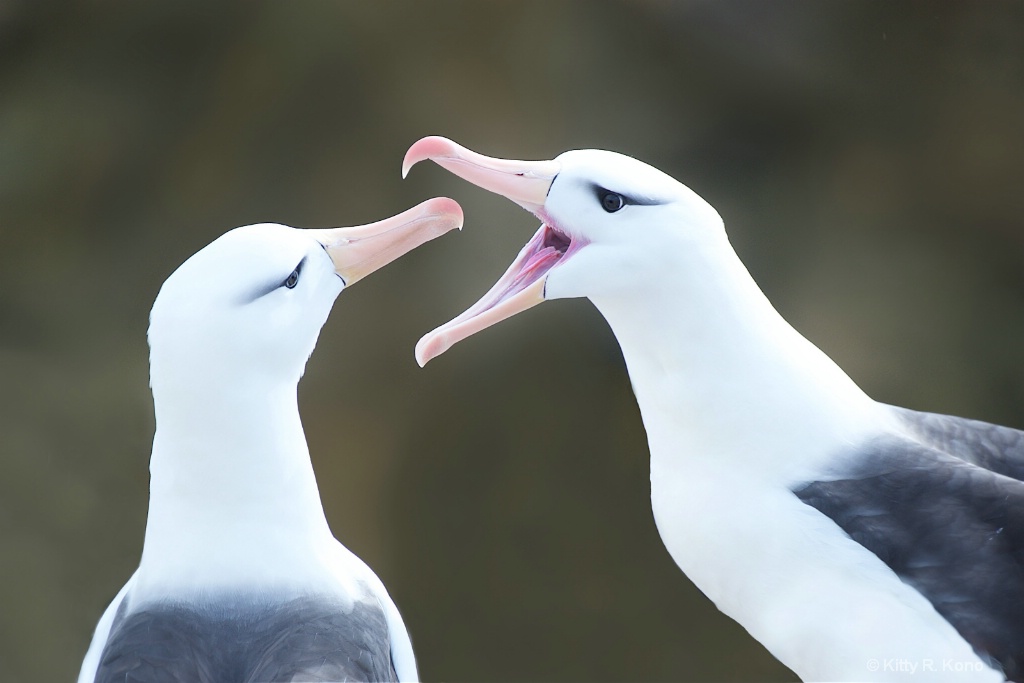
column 307, row 639
column 945, row 525
column 996, row 448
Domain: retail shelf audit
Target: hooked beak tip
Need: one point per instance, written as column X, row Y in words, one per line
column 430, row 147
column 427, row 349
column 448, row 208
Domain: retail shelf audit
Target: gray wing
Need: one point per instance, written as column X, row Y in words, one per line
column 950, row 528
column 996, row 448
column 306, row 639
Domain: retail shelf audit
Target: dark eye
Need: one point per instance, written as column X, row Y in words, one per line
column 292, row 280
column 611, row 201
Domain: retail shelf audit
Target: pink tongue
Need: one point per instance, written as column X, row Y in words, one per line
column 535, row 267
column 521, row 287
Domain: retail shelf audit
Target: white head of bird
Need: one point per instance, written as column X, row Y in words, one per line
column 632, row 219
column 250, row 304
column 614, row 230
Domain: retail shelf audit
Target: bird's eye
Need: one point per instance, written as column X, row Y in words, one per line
column 612, row 201
column 292, row 280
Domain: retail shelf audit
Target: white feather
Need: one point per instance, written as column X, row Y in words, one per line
column 739, row 409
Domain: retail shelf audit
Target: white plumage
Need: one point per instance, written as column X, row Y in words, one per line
column 240, row 577
column 855, row 540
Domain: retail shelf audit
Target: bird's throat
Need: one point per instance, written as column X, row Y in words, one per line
column 235, row 477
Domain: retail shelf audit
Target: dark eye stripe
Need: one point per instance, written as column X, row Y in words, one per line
column 262, row 291
column 602, row 193
column 293, row 278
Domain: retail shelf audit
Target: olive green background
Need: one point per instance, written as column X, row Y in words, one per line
column 868, row 159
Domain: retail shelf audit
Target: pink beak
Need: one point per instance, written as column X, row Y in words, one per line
column 526, row 183
column 360, row 250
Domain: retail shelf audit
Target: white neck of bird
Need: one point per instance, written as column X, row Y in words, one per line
column 722, row 380
column 230, row 477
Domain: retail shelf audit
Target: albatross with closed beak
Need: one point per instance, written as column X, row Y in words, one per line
column 855, row 540
column 240, row 577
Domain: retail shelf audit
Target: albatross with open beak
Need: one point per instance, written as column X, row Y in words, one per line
column 855, row 540
column 240, row 577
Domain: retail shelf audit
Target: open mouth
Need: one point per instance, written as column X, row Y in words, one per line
column 521, row 287
column 544, row 250
column 527, row 183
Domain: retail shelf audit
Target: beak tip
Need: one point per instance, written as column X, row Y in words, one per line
column 430, row 147
column 408, row 162
column 429, row 347
column 449, row 209
column 421, row 357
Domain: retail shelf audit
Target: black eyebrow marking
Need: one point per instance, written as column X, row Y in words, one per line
column 269, row 287
column 637, row 200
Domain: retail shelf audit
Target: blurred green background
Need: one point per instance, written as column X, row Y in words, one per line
column 868, row 159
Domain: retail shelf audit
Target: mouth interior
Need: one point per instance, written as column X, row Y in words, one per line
column 521, row 287
column 542, row 253
column 556, row 239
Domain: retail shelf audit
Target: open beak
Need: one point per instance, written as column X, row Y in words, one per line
column 526, row 183
column 358, row 251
